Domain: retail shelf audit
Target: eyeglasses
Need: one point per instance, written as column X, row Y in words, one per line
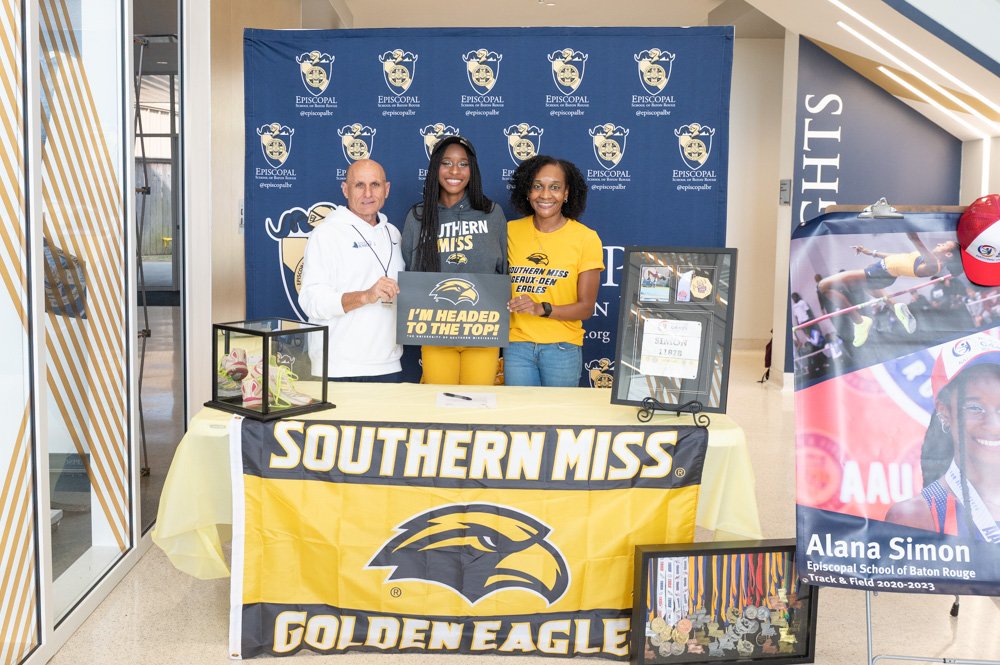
column 447, row 164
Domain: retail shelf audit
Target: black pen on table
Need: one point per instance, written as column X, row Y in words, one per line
column 465, row 397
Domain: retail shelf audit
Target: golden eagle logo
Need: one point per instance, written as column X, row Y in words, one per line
column 457, row 259
column 476, row 550
column 455, row 290
column 539, row 259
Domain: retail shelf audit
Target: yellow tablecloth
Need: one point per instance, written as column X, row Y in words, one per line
column 195, row 512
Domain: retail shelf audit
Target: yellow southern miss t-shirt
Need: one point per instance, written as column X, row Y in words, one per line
column 546, row 266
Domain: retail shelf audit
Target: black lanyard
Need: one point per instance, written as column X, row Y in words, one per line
column 384, row 266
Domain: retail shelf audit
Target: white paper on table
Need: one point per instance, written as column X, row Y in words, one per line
column 474, row 401
column 670, row 348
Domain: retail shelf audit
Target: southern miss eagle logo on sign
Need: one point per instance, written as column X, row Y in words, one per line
column 455, row 290
column 695, row 142
column 275, row 143
column 654, row 69
column 567, row 69
column 475, row 550
column 483, row 69
column 523, row 141
column 316, row 69
column 609, row 144
column 434, row 133
column 398, row 68
column 358, row 141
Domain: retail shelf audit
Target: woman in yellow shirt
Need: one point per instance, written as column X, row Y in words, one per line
column 555, row 268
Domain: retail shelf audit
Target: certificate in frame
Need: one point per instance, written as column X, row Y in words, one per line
column 739, row 601
column 675, row 326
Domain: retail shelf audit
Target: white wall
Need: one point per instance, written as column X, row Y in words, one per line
column 754, row 131
column 972, row 184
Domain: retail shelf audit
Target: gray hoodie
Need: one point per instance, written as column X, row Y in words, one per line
column 469, row 240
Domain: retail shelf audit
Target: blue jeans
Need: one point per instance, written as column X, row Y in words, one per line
column 530, row 364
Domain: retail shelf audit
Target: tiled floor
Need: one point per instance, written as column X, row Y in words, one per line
column 159, row 615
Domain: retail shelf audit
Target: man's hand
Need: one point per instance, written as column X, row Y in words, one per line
column 385, row 289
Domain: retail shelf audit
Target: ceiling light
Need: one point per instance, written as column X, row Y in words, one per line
column 994, row 127
column 969, row 89
column 162, row 62
column 933, row 102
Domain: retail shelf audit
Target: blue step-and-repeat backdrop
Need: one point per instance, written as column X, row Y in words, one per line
column 643, row 112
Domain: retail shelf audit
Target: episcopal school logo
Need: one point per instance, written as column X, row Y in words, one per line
column 695, row 143
column 316, row 69
column 601, row 372
column 358, row 141
column 609, row 144
column 398, row 69
column 523, row 141
column 483, row 69
column 434, row 133
column 567, row 69
column 455, row 290
column 291, row 233
column 654, row 69
column 476, row 550
column 275, row 143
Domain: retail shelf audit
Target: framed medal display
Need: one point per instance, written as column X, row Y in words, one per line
column 675, row 327
column 721, row 602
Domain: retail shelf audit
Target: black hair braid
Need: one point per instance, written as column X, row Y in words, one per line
column 960, row 434
column 937, row 451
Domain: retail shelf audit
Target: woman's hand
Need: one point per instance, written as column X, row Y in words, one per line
column 524, row 305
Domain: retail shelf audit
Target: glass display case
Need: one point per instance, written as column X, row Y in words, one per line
column 262, row 368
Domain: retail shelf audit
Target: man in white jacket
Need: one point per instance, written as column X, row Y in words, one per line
column 349, row 282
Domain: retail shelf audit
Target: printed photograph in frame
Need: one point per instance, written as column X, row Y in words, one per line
column 675, row 326
column 739, row 601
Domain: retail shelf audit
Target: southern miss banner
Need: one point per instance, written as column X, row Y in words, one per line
column 897, row 369
column 643, row 112
column 505, row 539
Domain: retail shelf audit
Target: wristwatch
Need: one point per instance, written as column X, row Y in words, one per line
column 546, row 309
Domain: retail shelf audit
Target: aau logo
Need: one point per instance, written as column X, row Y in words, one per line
column 654, row 69
column 291, row 233
column 275, row 143
column 398, row 68
column 483, row 69
column 434, row 133
column 695, row 142
column 609, row 144
column 316, row 69
column 567, row 69
column 476, row 550
column 455, row 290
column 358, row 141
column 523, row 141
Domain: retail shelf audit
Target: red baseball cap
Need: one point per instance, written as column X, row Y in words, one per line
column 979, row 237
column 961, row 354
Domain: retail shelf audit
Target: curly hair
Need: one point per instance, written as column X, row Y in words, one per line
column 524, row 177
column 426, row 212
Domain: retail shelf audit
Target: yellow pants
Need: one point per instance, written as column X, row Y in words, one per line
column 460, row 365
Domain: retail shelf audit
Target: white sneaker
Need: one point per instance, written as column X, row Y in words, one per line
column 905, row 317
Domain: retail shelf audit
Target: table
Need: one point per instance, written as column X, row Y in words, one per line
column 195, row 511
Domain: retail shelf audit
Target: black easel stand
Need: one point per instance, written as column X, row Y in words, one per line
column 651, row 405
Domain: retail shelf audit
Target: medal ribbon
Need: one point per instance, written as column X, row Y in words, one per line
column 383, row 266
column 984, row 522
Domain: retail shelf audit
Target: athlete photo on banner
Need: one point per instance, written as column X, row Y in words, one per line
column 897, row 399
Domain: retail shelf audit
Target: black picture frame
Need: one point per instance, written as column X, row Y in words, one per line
column 692, row 603
column 675, row 327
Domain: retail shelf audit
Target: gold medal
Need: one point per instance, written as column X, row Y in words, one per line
column 701, row 287
column 657, row 624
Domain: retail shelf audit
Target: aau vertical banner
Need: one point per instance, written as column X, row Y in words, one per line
column 643, row 112
column 403, row 537
column 897, row 390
